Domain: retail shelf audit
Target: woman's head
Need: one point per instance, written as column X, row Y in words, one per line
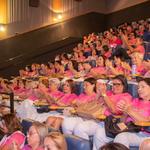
column 68, row 86
column 120, row 84
column 44, row 82
column 54, row 84
column 89, row 85
column 144, row 88
column 113, row 146
column 137, row 58
column 10, row 124
column 36, row 134
column 55, row 141
column 100, row 61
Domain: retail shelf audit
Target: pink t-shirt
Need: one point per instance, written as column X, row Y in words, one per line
column 116, row 98
column 99, row 70
column 33, row 95
column 56, row 95
column 140, row 49
column 17, row 137
column 67, row 99
column 68, row 73
column 140, row 70
column 142, row 107
column 83, row 98
column 28, row 147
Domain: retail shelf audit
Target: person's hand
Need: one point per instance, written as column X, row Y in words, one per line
column 123, row 106
column 101, row 88
column 14, row 146
column 125, row 65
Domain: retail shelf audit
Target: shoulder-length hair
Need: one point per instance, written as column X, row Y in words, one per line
column 12, row 123
column 124, row 82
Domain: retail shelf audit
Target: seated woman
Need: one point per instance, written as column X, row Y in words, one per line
column 137, row 59
column 89, row 91
column 69, row 96
column 89, row 95
column 11, row 129
column 35, row 136
column 52, row 94
column 139, row 111
column 110, row 99
column 100, row 67
column 55, row 141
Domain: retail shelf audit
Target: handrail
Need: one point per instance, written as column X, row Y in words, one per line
column 11, row 95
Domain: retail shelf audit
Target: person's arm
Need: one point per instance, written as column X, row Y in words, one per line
column 136, row 115
column 126, row 42
column 109, row 103
column 128, row 109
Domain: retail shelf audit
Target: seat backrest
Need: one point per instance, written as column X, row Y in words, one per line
column 26, row 124
column 77, row 143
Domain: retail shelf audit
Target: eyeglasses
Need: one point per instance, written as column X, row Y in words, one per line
column 117, row 84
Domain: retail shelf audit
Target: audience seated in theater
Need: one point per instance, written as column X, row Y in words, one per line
column 110, row 99
column 138, row 111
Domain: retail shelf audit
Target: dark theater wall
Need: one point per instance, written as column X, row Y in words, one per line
column 137, row 12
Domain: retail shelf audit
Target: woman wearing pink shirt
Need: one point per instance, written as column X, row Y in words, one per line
column 11, row 130
column 89, row 91
column 53, row 94
column 35, row 136
column 69, row 96
column 138, row 111
column 89, row 94
column 110, row 99
column 100, row 67
column 137, row 59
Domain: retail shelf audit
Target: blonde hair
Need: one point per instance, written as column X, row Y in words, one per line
column 137, row 54
column 58, row 139
column 41, row 129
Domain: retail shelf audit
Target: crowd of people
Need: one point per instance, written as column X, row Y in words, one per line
column 112, row 58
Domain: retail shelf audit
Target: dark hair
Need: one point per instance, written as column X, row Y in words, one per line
column 12, row 123
column 92, row 81
column 106, row 48
column 146, row 80
column 113, row 146
column 123, row 80
column 29, row 67
column 71, row 84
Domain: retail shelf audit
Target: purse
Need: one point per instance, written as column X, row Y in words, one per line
column 114, row 126
column 90, row 110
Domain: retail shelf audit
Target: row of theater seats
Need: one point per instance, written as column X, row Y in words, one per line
column 73, row 142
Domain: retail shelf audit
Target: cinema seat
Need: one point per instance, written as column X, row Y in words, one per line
column 77, row 143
